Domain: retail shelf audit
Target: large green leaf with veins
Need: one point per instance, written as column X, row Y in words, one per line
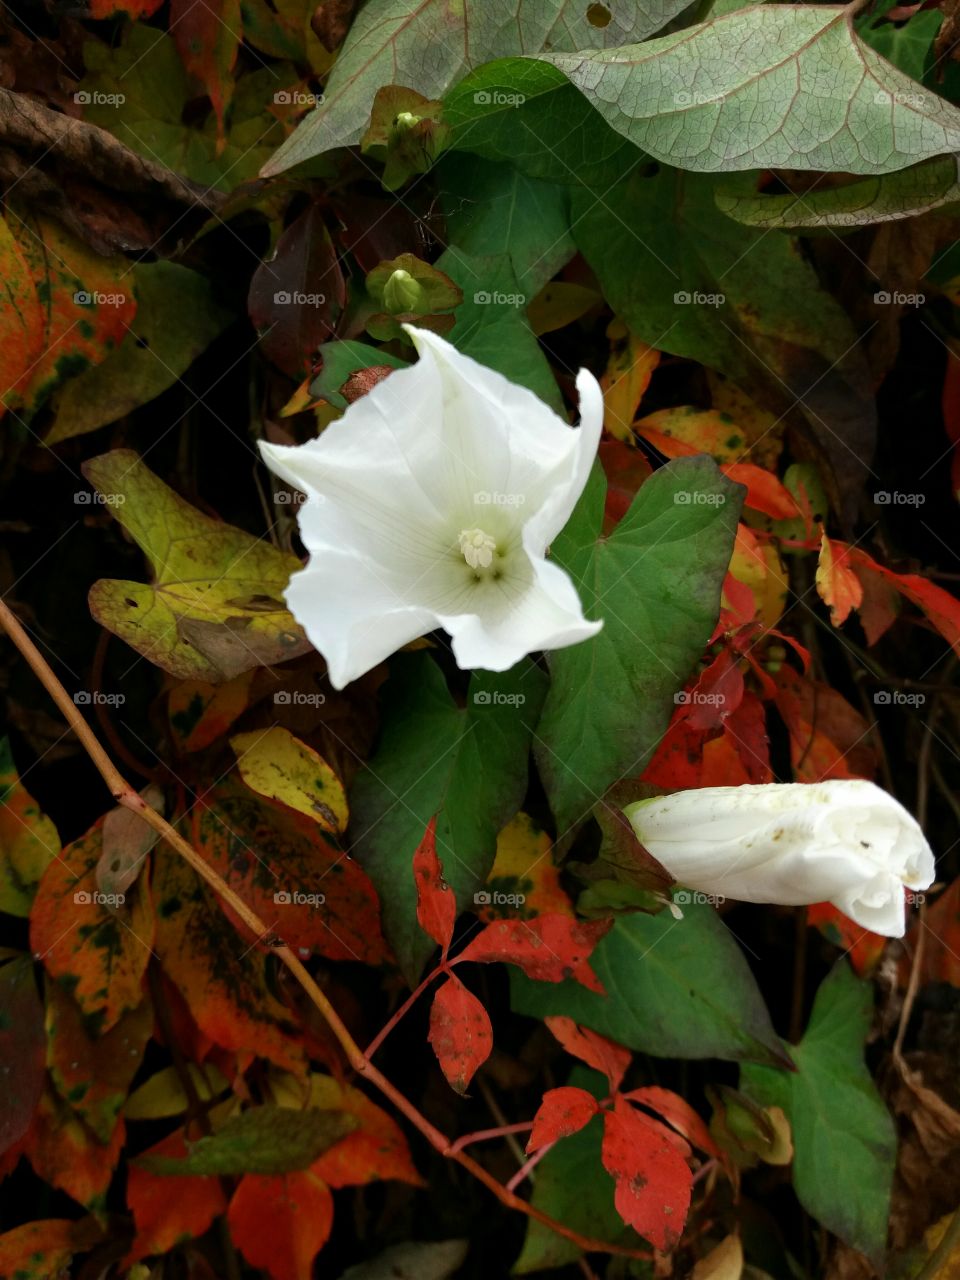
column 770, row 86
column 428, row 45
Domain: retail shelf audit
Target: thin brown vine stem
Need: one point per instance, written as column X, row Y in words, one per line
column 128, row 798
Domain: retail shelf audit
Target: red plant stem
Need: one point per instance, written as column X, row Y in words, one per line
column 126, row 796
column 404, row 1009
column 529, row 1167
column 485, row 1135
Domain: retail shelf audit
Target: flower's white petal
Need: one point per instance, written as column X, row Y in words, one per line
column 349, row 615
column 542, row 612
column 846, row 842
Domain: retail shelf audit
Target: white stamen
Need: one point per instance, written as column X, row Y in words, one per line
column 477, row 548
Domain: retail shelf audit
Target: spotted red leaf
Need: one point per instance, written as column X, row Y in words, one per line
column 66, row 1154
column 436, row 903
column 207, row 34
column 653, row 1180
column 591, row 1047
column 678, row 1113
column 281, row 1223
column 562, row 1112
column 548, row 948
column 460, row 1032
column 168, row 1209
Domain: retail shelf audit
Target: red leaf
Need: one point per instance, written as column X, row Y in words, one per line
column 167, row 1208
column 281, row 1223
column 562, row 1112
column 436, row 903
column 65, row 1153
column 653, row 1179
column 717, row 693
column 296, row 296
column 591, row 1047
column 548, row 948
column 940, row 607
column 828, row 737
column 460, row 1032
column 746, row 731
column 679, row 1113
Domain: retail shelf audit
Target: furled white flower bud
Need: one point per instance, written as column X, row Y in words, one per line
column 845, row 842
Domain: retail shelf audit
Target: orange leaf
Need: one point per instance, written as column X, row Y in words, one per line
column 860, row 946
column 168, row 1208
column 562, row 1112
column 21, row 334
column 315, row 897
column 375, row 1149
column 941, row 952
column 460, row 1032
column 42, row 1249
column 828, row 737
column 222, row 980
column 548, row 948
column 596, row 1050
column 207, row 35
column 200, row 713
column 65, row 1153
column 940, row 607
column 96, row 948
column 281, row 1223
column 93, row 1074
column 837, row 584
column 436, row 903
column 764, row 491
column 653, row 1180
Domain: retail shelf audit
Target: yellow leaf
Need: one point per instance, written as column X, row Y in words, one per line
column 28, row 840
column 524, row 868
column 215, row 606
column 277, row 765
column 625, row 382
column 725, row 1262
column 163, row 1095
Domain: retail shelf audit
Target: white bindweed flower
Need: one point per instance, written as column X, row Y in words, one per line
column 431, row 503
column 844, row 842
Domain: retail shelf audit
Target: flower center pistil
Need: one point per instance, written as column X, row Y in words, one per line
column 477, row 548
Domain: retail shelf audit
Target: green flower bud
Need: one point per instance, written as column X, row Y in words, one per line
column 402, row 294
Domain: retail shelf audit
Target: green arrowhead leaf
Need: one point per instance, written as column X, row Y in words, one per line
column 509, row 234
column 656, row 583
column 675, row 988
column 887, row 198
column 654, row 241
column 430, row 45
column 266, row 1139
column 215, row 606
column 770, row 86
column 505, row 109
column 843, row 1135
column 467, row 765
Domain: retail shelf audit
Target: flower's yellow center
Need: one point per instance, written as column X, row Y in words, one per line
column 477, row 548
